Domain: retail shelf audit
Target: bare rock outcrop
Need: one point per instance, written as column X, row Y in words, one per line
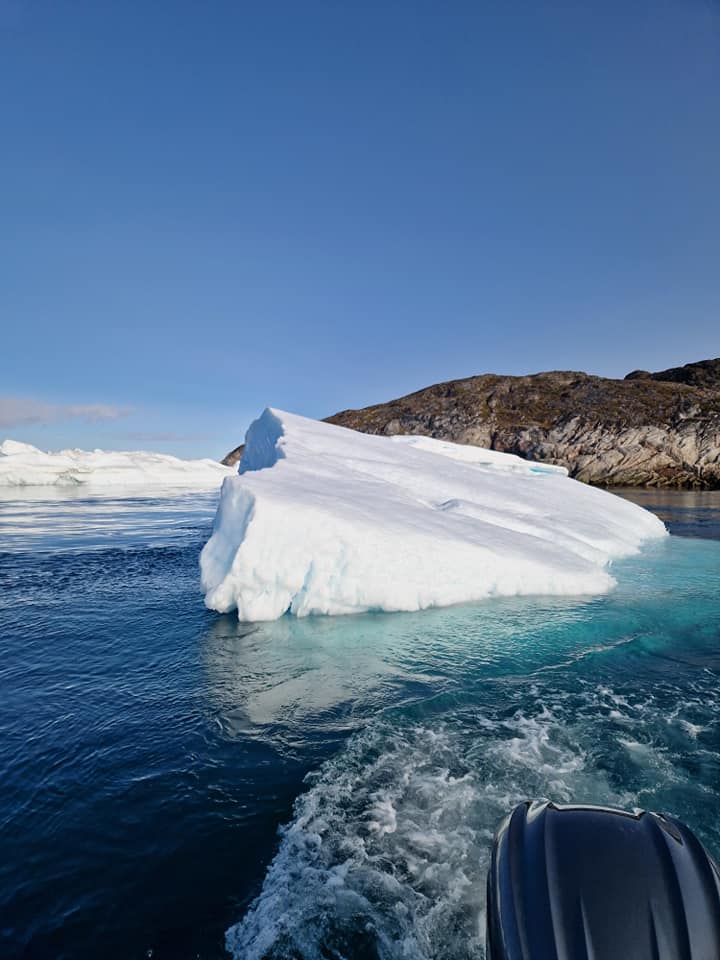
column 235, row 455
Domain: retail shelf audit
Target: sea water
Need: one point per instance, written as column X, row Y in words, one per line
column 173, row 780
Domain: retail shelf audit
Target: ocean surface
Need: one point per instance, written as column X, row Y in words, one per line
column 172, row 780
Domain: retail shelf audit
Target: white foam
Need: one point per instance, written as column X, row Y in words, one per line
column 390, row 847
column 388, row 851
column 324, row 520
column 22, row 465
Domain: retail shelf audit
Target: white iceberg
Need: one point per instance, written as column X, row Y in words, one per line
column 324, row 520
column 22, row 465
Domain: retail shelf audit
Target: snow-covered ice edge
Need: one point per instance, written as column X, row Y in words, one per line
column 324, row 520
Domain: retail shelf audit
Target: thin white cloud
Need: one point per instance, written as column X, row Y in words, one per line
column 164, row 436
column 22, row 411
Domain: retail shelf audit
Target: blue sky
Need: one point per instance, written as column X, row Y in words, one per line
column 207, row 208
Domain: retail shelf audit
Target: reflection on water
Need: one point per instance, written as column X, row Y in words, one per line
column 53, row 518
column 291, row 676
column 687, row 513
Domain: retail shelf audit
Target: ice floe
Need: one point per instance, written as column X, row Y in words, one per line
column 325, row 520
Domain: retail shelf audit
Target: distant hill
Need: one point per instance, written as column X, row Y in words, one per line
column 704, row 373
column 659, row 429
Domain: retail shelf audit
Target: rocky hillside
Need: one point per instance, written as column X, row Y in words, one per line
column 660, row 429
column 704, row 373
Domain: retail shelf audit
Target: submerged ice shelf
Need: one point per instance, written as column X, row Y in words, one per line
column 324, row 520
column 22, row 465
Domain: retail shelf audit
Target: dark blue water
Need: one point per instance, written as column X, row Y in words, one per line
column 149, row 749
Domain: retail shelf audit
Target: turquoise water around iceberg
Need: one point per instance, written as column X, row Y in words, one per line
column 152, row 749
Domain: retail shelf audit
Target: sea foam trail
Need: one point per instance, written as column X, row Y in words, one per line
column 324, row 520
column 387, row 854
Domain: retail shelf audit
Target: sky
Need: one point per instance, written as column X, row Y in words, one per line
column 209, row 208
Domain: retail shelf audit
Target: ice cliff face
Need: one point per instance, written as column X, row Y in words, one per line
column 324, row 520
column 661, row 429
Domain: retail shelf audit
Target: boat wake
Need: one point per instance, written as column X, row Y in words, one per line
column 387, row 854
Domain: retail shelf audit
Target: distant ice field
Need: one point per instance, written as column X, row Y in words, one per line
column 22, row 466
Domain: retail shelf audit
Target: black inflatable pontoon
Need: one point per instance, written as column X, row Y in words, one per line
column 590, row 883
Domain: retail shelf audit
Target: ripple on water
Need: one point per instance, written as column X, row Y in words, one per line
column 150, row 748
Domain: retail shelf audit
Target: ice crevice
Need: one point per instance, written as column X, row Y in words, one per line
column 324, row 520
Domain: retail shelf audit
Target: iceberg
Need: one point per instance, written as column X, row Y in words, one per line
column 23, row 465
column 323, row 520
